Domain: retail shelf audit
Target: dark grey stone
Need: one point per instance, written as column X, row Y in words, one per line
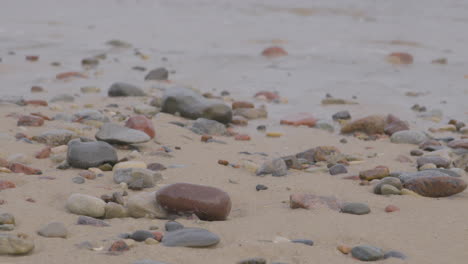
column 124, row 89
column 190, row 237
column 367, row 253
column 338, row 169
column 84, row 155
column 141, row 235
column 173, row 226
column 355, row 208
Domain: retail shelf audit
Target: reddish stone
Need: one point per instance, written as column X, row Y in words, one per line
column 239, row 121
column 394, row 124
column 270, row 96
column 142, row 123
column 460, row 143
column 119, row 246
column 20, row 168
column 32, row 58
column 36, row 102
column 30, row 121
column 67, row 75
column 242, row 104
column 41, row 116
column 208, row 203
column 44, row 153
column 158, row 235
column 205, row 138
column 310, row 201
column 378, row 172
column 391, row 208
column 223, row 162
column 437, row 186
column 274, row 52
column 37, row 89
column 87, row 175
column 6, row 185
column 400, row 58
column 242, row 137
column 300, row 119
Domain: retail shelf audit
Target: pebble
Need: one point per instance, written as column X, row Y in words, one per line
column 90, row 89
column 146, row 110
column 344, row 249
column 130, row 165
column 21, row 168
column 208, row 203
column 142, row 123
column 367, row 253
column 376, row 173
column 87, row 205
column 15, row 245
column 151, row 241
column 56, row 137
column 90, row 115
column 251, row 113
column 156, row 167
column 62, row 98
column 311, row 201
column 78, row 180
column 242, row 104
column 394, row 124
column 274, row 52
column 355, row 208
column 408, row 137
column 7, row 227
column 253, row 261
column 114, row 210
column 141, row 235
column 307, row 242
column 338, row 169
column 394, row 254
column 86, row 220
column 400, row 58
column 144, row 205
column 173, row 225
column 275, row 167
column 299, row 119
column 261, row 187
column 391, row 208
column 7, row 219
column 203, row 126
column 137, row 178
column 54, row 229
column 416, row 152
column 86, row 155
column 392, row 181
column 124, row 89
column 119, row 246
column 190, row 237
column 371, row 125
column 30, row 120
column 388, row 189
column 436, row 160
column 117, row 134
column 342, row 115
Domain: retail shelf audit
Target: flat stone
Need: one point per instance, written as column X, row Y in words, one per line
column 117, row 134
column 133, row 164
column 408, row 137
column 190, row 237
column 367, row 253
column 300, row 119
column 86, row 155
column 15, row 245
column 141, row 235
column 90, row 115
column 371, row 125
column 208, row 203
column 87, row 205
column 203, row 126
column 355, row 208
column 124, row 89
column 275, row 167
column 54, row 229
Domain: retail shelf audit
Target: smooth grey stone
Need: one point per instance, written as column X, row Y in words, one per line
column 275, row 167
column 192, row 105
column 90, row 114
column 407, row 176
column 393, row 181
column 78, row 180
column 434, row 159
column 394, row 254
column 117, row 134
column 307, row 242
column 190, row 237
column 342, row 115
column 124, row 89
column 84, row 155
column 355, row 208
column 367, row 253
column 408, row 137
column 54, row 229
column 141, row 235
column 205, row 126
column 388, row 189
column 338, row 169
column 86, row 220
column 159, row 74
column 173, row 226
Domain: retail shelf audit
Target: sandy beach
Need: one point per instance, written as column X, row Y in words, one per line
column 337, row 58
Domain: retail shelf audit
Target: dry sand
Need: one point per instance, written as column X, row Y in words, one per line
column 334, row 48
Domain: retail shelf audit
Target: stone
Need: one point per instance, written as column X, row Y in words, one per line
column 392, row 181
column 141, row 235
column 393, row 124
column 275, row 167
column 342, row 115
column 300, row 119
column 416, row 152
column 43, row 153
column 147, row 261
column 394, row 254
column 388, row 189
column 158, row 74
column 292, row 162
column 36, row 102
column 274, row 52
column 117, row 134
column 344, row 249
column 307, row 242
column 7, row 227
column 391, row 208
column 461, row 162
column 242, row 104
column 151, row 241
column 460, row 143
column 436, row 160
column 371, row 125
column 69, row 75
column 251, row 113
column 6, row 185
column 310, row 201
column 54, row 229
column 325, row 125
column 21, row 168
column 242, row 137
column 56, row 137
column 338, row 169
column 406, row 176
column 146, row 110
column 133, row 164
column 203, row 126
column 86, row 220
column 142, row 123
column 114, row 210
column 427, row 166
column 190, row 237
column 208, row 203
column 253, row 261
column 400, row 58
column 156, row 167
column 124, row 89
column 436, row 186
column 90, row 89
column 37, row 89
column 239, row 121
column 78, row 180
column 173, row 226
column 90, row 115
column 137, row 178
column 376, row 173
column 355, row 208
column 62, row 98
column 87, row 205
column 408, row 137
column 84, row 155
column 367, row 253
column 15, row 245
column 192, row 105
column 7, row 219
column 144, row 205
column 119, row 246
column 30, row 120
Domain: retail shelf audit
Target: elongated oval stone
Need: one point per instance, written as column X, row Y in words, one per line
column 438, row 186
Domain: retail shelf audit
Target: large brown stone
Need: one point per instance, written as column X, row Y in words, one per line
column 438, row 186
column 142, row 123
column 208, row 203
column 311, row 201
column 375, row 173
column 374, row 124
